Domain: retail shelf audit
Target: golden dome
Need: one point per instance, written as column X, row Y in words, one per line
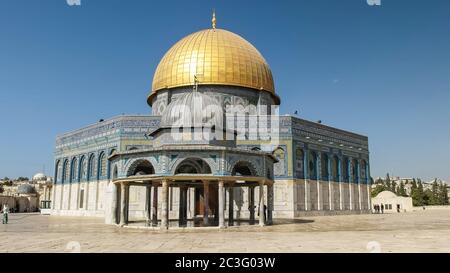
column 214, row 56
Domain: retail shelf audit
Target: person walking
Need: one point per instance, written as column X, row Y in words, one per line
column 5, row 211
column 382, row 208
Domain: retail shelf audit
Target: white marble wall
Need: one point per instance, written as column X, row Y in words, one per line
column 292, row 198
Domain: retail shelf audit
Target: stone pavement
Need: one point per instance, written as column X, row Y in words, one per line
column 419, row 231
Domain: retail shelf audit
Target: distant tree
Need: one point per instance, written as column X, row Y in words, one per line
column 428, row 198
column 418, row 195
column 20, row 178
column 394, row 187
column 6, row 178
column 434, row 197
column 387, row 183
column 443, row 194
column 401, row 190
column 378, row 188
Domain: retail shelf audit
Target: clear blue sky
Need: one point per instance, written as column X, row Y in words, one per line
column 380, row 71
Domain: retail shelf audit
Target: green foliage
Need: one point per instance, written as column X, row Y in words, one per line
column 401, row 191
column 20, row 178
column 379, row 188
column 437, row 195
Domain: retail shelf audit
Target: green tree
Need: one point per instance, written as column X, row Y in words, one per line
column 401, row 189
column 443, row 194
column 20, row 178
column 418, row 195
column 387, row 183
column 378, row 188
column 434, row 197
column 428, row 198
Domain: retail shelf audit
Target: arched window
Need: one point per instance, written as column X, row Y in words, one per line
column 324, row 166
column 109, row 163
column 243, row 168
column 141, row 167
column 57, row 172
column 279, row 167
column 335, row 168
column 345, row 169
column 91, row 168
column 66, row 171
column 354, row 169
column 312, row 165
column 299, row 163
column 364, row 171
column 73, row 170
column 83, row 169
column 193, row 165
column 102, row 165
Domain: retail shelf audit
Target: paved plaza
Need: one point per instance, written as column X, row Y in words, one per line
column 419, row 231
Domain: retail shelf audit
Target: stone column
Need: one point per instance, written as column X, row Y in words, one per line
column 262, row 220
column 330, row 187
column 61, row 197
column 206, row 203
column 114, row 204
column 155, row 206
column 230, row 205
column 251, row 203
column 70, row 195
column 358, row 177
column 125, row 189
column 86, row 196
column 350, row 182
column 165, row 205
column 148, row 204
column 54, row 195
column 182, row 214
column 269, row 203
column 306, row 176
column 221, row 194
column 369, row 201
column 341, row 201
column 318, row 180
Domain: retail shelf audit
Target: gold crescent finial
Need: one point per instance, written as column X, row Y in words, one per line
column 214, row 19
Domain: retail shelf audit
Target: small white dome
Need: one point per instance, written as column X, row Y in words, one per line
column 386, row 194
column 39, row 177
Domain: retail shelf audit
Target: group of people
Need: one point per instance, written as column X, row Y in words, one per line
column 5, row 212
column 379, row 208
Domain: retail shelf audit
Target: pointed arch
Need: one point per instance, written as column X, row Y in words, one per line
column 73, row 170
column 66, row 171
column 193, row 165
column 102, row 164
column 141, row 167
column 244, row 168
column 91, row 168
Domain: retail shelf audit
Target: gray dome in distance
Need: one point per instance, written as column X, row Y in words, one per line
column 25, row 189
